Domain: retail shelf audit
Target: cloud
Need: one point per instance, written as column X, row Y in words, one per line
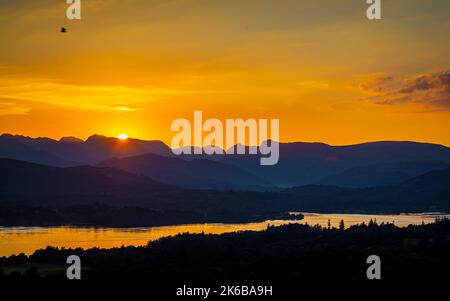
column 432, row 90
column 114, row 98
column 375, row 83
column 314, row 85
column 10, row 108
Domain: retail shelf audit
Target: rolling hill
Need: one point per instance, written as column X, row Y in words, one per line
column 310, row 163
column 429, row 192
column 32, row 194
column 194, row 174
column 20, row 179
column 357, row 166
column 382, row 174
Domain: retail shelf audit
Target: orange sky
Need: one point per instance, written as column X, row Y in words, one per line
column 321, row 67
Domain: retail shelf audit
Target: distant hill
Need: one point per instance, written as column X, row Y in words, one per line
column 382, row 174
column 426, row 193
column 38, row 195
column 432, row 185
column 70, row 151
column 71, row 140
column 13, row 148
column 33, row 194
column 194, row 174
column 22, row 179
column 309, row 163
column 18, row 180
column 361, row 165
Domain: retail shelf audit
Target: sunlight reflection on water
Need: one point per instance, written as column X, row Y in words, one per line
column 15, row 240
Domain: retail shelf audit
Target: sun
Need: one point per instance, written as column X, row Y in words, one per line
column 123, row 136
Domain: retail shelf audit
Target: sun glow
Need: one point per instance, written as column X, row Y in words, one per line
column 123, row 136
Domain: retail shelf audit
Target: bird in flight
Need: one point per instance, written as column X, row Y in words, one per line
column 63, row 30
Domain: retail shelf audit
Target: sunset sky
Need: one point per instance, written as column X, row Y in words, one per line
column 321, row 67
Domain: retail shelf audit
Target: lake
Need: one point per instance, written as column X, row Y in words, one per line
column 15, row 240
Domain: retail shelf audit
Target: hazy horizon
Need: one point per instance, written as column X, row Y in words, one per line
column 167, row 143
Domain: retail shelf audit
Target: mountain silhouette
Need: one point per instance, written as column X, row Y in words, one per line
column 14, row 147
column 382, row 174
column 73, row 151
column 194, row 174
column 71, row 140
column 426, row 193
column 24, row 179
column 310, row 163
column 33, row 194
column 361, row 165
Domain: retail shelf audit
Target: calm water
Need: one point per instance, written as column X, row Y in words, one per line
column 17, row 240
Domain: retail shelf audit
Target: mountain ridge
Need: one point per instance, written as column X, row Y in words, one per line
column 301, row 163
column 33, row 193
column 36, row 181
column 193, row 174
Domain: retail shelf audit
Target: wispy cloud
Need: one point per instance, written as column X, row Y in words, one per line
column 319, row 85
column 432, row 90
column 11, row 108
column 88, row 97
